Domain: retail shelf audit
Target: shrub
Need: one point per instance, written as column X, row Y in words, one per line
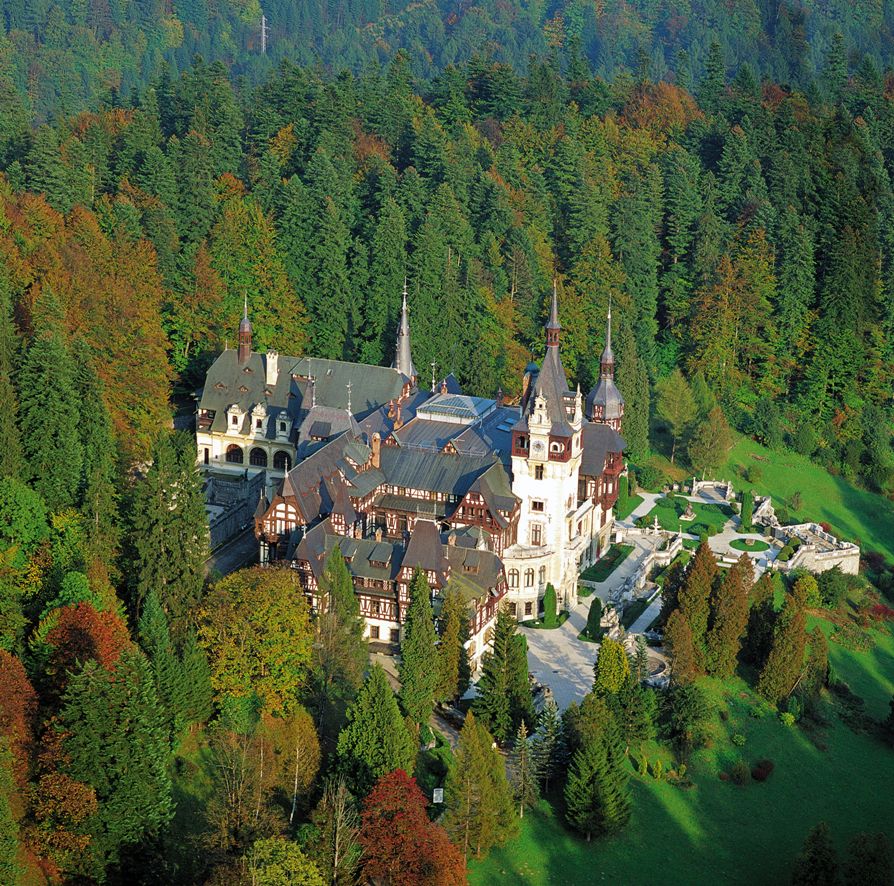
column 738, row 739
column 643, row 767
column 762, row 770
column 650, row 478
column 795, row 707
column 754, row 473
column 880, row 612
column 795, row 501
column 740, row 773
column 787, row 718
column 658, row 770
column 761, row 710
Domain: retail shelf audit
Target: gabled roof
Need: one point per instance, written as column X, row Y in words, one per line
column 597, row 441
column 371, row 386
column 426, row 551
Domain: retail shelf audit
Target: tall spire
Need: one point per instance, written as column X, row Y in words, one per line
column 244, row 335
column 553, row 327
column 403, row 359
column 607, row 360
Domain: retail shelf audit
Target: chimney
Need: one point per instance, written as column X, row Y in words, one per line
column 272, row 368
column 398, row 421
column 376, row 447
column 499, row 396
column 451, row 539
column 379, row 534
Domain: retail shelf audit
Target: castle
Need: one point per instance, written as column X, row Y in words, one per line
column 493, row 499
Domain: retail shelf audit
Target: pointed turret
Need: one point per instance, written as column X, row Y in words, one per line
column 403, row 359
column 604, row 402
column 244, row 335
column 553, row 327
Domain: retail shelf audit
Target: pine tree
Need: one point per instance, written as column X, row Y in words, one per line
column 594, row 619
column 196, row 686
column 747, row 510
column 98, row 495
column 679, row 641
column 523, row 770
column 597, row 798
column 869, row 861
column 477, row 795
column 612, row 667
column 761, row 620
column 504, row 693
column 49, row 421
column 10, row 869
column 418, row 676
column 375, row 739
column 816, row 672
column 784, row 663
column 545, row 750
column 169, row 531
column 340, row 653
column 695, row 595
column 710, row 442
column 12, row 462
column 817, row 864
column 675, row 405
column 117, row 743
column 641, row 660
column 155, row 640
column 729, row 618
column 670, row 590
column 454, row 672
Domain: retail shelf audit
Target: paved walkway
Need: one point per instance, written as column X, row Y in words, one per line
column 650, row 613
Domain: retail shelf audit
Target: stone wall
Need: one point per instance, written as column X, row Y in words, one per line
column 239, row 497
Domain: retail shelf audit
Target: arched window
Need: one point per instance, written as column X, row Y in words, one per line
column 542, row 576
column 282, row 461
column 513, row 578
column 258, row 457
column 529, row 578
column 234, row 454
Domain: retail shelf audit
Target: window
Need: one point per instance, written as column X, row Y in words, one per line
column 513, row 610
column 234, row 420
column 538, row 472
column 377, row 607
column 395, row 635
column 536, row 534
column 282, row 427
column 234, row 454
column 282, row 461
column 258, row 458
column 207, row 455
column 374, row 632
column 258, row 423
column 529, row 578
column 537, row 506
column 541, row 577
column 513, row 578
column 529, row 608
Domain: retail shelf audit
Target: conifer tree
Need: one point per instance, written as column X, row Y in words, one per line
column 545, row 750
column 710, row 442
column 729, row 618
column 549, row 606
column 761, row 620
column 695, row 595
column 504, row 693
column 675, row 405
column 196, row 682
column 340, row 652
column 12, row 463
column 523, row 771
column 49, row 420
column 375, row 739
column 418, row 654
column 98, row 494
column 641, row 660
column 612, row 668
column 479, row 801
column 597, row 799
column 784, row 663
column 10, row 869
column 117, row 743
column 670, row 589
column 869, row 861
column 816, row 672
column 454, row 672
column 679, row 641
column 169, row 531
column 817, row 865
column 594, row 618
column 747, row 510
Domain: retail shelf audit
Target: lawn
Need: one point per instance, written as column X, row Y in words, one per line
column 561, row 618
column 718, row 832
column 605, row 566
column 854, row 514
column 709, row 518
column 626, row 506
column 754, row 545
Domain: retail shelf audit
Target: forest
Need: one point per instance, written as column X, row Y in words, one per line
column 740, row 224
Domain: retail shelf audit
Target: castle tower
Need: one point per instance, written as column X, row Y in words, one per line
column 604, row 402
column 403, row 359
column 244, row 336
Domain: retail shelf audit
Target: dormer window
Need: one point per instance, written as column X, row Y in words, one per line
column 282, row 426
column 235, row 420
column 259, row 423
column 537, row 506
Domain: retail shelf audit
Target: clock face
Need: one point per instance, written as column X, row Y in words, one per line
column 538, row 448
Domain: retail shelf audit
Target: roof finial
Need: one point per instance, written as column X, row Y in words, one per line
column 245, row 306
column 553, row 327
column 348, row 386
column 403, row 358
column 608, row 334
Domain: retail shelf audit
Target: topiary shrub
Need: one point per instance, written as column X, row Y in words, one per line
column 762, row 770
column 549, row 607
column 594, row 617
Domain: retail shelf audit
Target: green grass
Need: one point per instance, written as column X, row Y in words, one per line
column 604, row 567
column 561, row 618
column 717, row 832
column 748, row 544
column 709, row 518
column 625, row 508
column 853, row 514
